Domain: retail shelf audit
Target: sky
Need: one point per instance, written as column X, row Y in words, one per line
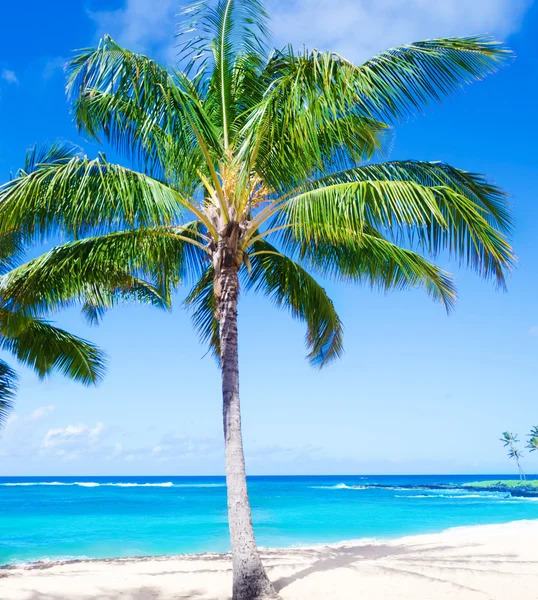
column 416, row 391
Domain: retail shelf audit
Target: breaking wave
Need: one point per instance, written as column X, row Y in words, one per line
column 338, row 486
column 88, row 484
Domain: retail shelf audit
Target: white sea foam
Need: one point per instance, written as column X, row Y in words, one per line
column 498, row 496
column 338, row 486
column 166, row 484
column 199, row 485
column 414, row 496
column 90, row 484
column 27, row 483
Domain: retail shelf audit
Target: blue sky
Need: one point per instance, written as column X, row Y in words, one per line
column 416, row 391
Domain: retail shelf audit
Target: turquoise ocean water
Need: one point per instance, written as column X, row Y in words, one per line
column 97, row 517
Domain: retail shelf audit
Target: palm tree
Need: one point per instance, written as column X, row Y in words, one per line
column 510, row 440
column 532, row 444
column 251, row 166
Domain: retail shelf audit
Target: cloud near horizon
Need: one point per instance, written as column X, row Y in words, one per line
column 356, row 29
column 42, row 412
column 9, row 76
column 68, row 442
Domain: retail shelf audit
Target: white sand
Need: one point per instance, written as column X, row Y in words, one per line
column 484, row 562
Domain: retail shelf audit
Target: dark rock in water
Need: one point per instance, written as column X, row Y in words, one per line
column 511, row 492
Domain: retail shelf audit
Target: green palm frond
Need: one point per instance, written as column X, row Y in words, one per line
column 211, row 36
column 430, row 206
column 142, row 264
column 58, row 152
column 46, row 348
column 113, row 88
column 400, row 81
column 532, row 444
column 309, row 89
column 84, row 194
column 8, row 388
column 290, row 286
column 291, row 150
column 202, row 302
column 396, row 83
column 371, row 259
column 12, row 250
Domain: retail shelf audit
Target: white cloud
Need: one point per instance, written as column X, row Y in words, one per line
column 358, row 29
column 72, row 436
column 13, row 418
column 9, row 76
column 42, row 412
column 118, row 449
column 533, row 331
column 141, row 25
column 174, row 447
column 53, row 66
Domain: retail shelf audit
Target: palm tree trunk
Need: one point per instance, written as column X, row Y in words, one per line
column 521, row 473
column 250, row 581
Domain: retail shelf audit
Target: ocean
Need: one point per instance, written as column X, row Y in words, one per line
column 51, row 518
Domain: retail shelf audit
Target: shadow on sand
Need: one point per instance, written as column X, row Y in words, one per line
column 411, row 561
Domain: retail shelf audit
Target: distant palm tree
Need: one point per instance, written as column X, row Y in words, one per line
column 249, row 164
column 510, row 440
column 532, row 444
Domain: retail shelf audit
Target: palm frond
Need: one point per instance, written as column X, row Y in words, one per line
column 140, row 264
column 396, row 83
column 212, row 38
column 289, row 285
column 128, row 97
column 210, row 33
column 401, row 81
column 45, row 348
column 201, row 300
column 12, row 249
column 8, row 388
column 371, row 259
column 58, row 152
column 432, row 206
column 84, row 194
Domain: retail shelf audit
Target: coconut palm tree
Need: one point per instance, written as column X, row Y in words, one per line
column 510, row 440
column 252, row 165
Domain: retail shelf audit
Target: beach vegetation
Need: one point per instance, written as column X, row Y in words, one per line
column 510, row 440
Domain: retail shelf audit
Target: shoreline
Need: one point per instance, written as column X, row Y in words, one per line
column 46, row 563
column 478, row 561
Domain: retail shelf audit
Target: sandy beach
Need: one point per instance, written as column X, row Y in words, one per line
column 486, row 562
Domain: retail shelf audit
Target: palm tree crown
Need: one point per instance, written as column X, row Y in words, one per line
column 253, row 164
column 258, row 159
